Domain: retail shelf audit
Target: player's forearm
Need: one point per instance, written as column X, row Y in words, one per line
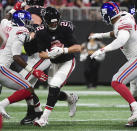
column 121, row 40
column 20, row 61
column 101, row 35
column 74, row 48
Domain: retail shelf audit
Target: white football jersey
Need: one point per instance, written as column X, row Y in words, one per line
column 127, row 22
column 16, row 37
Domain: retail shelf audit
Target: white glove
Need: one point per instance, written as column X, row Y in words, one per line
column 97, row 53
column 55, row 51
column 83, row 56
column 95, row 36
column 100, row 57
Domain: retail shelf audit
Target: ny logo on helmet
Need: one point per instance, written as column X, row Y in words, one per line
column 21, row 15
column 104, row 11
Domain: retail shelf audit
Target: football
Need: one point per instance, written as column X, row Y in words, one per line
column 56, row 44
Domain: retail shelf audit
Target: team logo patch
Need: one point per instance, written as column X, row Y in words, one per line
column 104, row 12
column 21, row 15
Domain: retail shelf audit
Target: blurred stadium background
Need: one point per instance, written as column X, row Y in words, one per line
column 98, row 109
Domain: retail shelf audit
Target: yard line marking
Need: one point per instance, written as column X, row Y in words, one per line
column 78, row 92
column 76, row 120
column 79, row 104
column 79, row 111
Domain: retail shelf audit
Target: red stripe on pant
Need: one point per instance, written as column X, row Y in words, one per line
column 73, row 62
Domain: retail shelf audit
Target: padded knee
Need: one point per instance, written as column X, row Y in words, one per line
column 35, row 99
column 53, row 96
column 115, row 84
column 62, row 96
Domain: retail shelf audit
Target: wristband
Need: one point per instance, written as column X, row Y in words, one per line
column 12, row 11
column 65, row 50
column 28, row 68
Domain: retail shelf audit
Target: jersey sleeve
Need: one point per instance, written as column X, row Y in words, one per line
column 22, row 37
column 69, row 32
column 40, row 41
column 125, row 26
column 22, row 34
column 16, row 47
column 70, row 37
column 19, row 39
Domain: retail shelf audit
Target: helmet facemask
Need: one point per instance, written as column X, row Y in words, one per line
column 51, row 18
column 53, row 24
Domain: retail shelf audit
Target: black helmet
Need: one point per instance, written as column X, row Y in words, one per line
column 35, row 2
column 51, row 17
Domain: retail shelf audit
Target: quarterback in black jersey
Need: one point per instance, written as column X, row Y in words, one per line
column 57, row 37
column 62, row 37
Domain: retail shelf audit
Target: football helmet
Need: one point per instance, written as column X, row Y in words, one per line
column 51, row 17
column 21, row 18
column 35, row 2
column 109, row 11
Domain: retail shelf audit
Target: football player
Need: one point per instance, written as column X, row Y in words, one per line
column 125, row 32
column 61, row 44
column 18, row 34
column 34, row 108
column 34, row 7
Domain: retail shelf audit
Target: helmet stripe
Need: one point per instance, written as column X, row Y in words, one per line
column 117, row 10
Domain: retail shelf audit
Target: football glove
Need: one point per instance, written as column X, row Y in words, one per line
column 19, row 5
column 55, row 52
column 95, row 36
column 83, row 56
column 97, row 53
column 40, row 75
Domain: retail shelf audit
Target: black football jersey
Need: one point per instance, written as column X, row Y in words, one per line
column 63, row 34
column 31, row 47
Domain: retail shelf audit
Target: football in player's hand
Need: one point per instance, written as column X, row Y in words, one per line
column 56, row 44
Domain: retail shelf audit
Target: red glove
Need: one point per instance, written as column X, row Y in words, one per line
column 19, row 5
column 40, row 75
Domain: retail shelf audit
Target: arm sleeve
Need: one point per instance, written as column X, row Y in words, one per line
column 17, row 48
column 17, row 44
column 40, row 42
column 70, row 37
column 122, row 38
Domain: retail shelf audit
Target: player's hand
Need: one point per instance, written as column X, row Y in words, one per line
column 97, row 53
column 55, row 51
column 19, row 5
column 40, row 75
column 95, row 36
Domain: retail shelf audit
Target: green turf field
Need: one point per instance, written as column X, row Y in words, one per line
column 100, row 109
